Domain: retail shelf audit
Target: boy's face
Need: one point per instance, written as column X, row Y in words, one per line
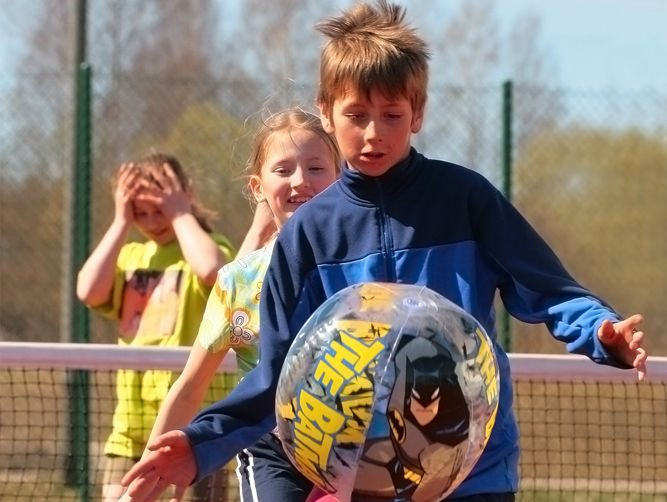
column 373, row 132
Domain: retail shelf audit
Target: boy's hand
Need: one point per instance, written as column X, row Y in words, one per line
column 170, row 461
column 624, row 340
column 127, row 187
column 166, row 192
column 179, row 493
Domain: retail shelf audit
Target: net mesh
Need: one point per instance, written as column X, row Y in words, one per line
column 39, row 459
column 587, row 432
column 592, row 440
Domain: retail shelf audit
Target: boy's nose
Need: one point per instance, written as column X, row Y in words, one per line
column 372, row 131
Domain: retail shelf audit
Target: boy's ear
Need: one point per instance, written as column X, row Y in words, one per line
column 324, row 118
column 255, row 186
column 417, row 121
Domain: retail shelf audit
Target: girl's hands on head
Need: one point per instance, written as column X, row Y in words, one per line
column 127, row 186
column 165, row 191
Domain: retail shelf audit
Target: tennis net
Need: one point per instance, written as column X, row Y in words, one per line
column 588, row 432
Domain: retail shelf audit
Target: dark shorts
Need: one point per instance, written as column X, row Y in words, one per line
column 486, row 497
column 265, row 473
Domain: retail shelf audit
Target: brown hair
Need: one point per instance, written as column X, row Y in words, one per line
column 286, row 120
column 157, row 160
column 372, row 48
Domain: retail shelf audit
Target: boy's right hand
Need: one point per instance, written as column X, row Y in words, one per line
column 170, row 461
column 127, row 185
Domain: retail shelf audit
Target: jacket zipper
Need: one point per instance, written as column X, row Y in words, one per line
column 385, row 239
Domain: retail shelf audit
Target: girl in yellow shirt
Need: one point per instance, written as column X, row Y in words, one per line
column 156, row 290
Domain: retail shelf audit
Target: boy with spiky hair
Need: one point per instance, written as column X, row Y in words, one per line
column 397, row 216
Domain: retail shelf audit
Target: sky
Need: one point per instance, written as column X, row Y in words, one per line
column 597, row 44
column 601, row 44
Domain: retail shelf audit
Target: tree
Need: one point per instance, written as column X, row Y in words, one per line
column 472, row 53
column 597, row 196
column 213, row 146
column 30, row 264
column 152, row 61
column 281, row 47
column 530, row 64
column 32, row 196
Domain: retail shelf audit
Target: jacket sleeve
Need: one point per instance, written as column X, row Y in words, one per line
column 535, row 286
column 222, row 430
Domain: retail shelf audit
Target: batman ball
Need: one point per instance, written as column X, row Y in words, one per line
column 389, row 391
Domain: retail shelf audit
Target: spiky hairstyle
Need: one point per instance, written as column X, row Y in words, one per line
column 371, row 47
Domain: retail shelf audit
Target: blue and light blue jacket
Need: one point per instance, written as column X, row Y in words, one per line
column 424, row 222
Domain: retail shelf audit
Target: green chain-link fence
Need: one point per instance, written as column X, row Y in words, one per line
column 589, row 170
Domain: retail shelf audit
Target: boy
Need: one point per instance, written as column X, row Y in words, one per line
column 396, row 216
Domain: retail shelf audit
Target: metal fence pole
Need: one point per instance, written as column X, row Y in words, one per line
column 505, row 327
column 78, row 468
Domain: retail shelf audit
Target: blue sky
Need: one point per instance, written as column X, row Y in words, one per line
column 600, row 44
column 597, row 44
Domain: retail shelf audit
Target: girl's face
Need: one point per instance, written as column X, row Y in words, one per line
column 152, row 223
column 298, row 166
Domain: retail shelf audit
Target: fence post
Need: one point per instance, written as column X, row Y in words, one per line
column 78, row 468
column 507, row 102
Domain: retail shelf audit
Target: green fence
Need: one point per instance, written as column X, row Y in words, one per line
column 589, row 170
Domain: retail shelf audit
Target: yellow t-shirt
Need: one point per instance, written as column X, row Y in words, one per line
column 156, row 300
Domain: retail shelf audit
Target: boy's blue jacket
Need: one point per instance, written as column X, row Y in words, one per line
column 424, row 222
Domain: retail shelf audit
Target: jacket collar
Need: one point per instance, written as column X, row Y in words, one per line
column 373, row 189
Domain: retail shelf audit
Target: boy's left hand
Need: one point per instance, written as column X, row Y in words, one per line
column 624, row 340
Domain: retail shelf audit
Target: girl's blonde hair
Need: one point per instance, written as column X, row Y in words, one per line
column 286, row 120
column 157, row 160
